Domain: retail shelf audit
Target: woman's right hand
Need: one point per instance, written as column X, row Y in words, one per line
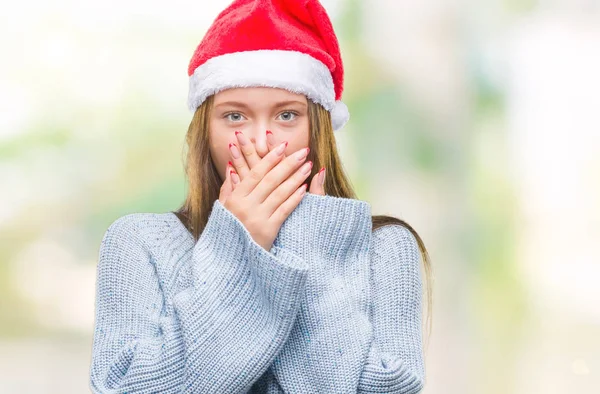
column 268, row 194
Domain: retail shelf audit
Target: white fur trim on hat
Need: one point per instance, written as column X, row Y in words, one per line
column 290, row 70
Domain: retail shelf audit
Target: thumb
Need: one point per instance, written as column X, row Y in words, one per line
column 316, row 185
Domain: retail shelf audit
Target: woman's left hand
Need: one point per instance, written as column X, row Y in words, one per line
column 250, row 158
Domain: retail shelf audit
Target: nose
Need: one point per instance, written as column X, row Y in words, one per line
column 258, row 136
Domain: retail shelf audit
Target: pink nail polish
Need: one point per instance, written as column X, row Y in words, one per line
column 235, row 152
column 241, row 139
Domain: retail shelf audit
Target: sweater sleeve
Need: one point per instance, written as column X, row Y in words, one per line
column 331, row 337
column 225, row 327
column 395, row 360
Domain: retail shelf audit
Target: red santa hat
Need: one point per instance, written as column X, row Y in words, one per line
column 288, row 44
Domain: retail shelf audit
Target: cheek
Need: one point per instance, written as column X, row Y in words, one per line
column 302, row 139
column 297, row 138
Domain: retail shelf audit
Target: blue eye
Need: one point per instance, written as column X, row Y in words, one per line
column 234, row 117
column 288, row 116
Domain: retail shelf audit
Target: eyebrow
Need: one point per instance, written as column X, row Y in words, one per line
column 244, row 105
column 290, row 102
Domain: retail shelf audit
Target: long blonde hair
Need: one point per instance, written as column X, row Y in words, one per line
column 204, row 182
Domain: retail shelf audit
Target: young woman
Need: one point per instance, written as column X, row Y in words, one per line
column 272, row 277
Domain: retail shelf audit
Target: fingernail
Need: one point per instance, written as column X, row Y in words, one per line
column 241, row 137
column 306, row 168
column 322, row 175
column 230, row 163
column 234, row 150
column 281, row 148
column 270, row 137
column 302, row 189
column 302, row 154
column 233, row 178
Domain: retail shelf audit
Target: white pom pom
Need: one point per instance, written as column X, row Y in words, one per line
column 339, row 115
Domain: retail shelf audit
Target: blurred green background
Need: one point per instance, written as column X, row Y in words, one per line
column 475, row 121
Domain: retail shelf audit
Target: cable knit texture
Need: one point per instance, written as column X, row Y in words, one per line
column 332, row 308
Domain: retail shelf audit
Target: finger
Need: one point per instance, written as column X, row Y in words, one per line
column 235, row 179
column 287, row 187
column 255, row 175
column 227, row 187
column 272, row 143
column 317, row 184
column 249, row 154
column 270, row 140
column 285, row 209
column 279, row 176
column 237, row 158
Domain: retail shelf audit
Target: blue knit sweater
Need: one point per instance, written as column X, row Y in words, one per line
column 332, row 308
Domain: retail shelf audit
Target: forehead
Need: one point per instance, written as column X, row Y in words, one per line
column 254, row 95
